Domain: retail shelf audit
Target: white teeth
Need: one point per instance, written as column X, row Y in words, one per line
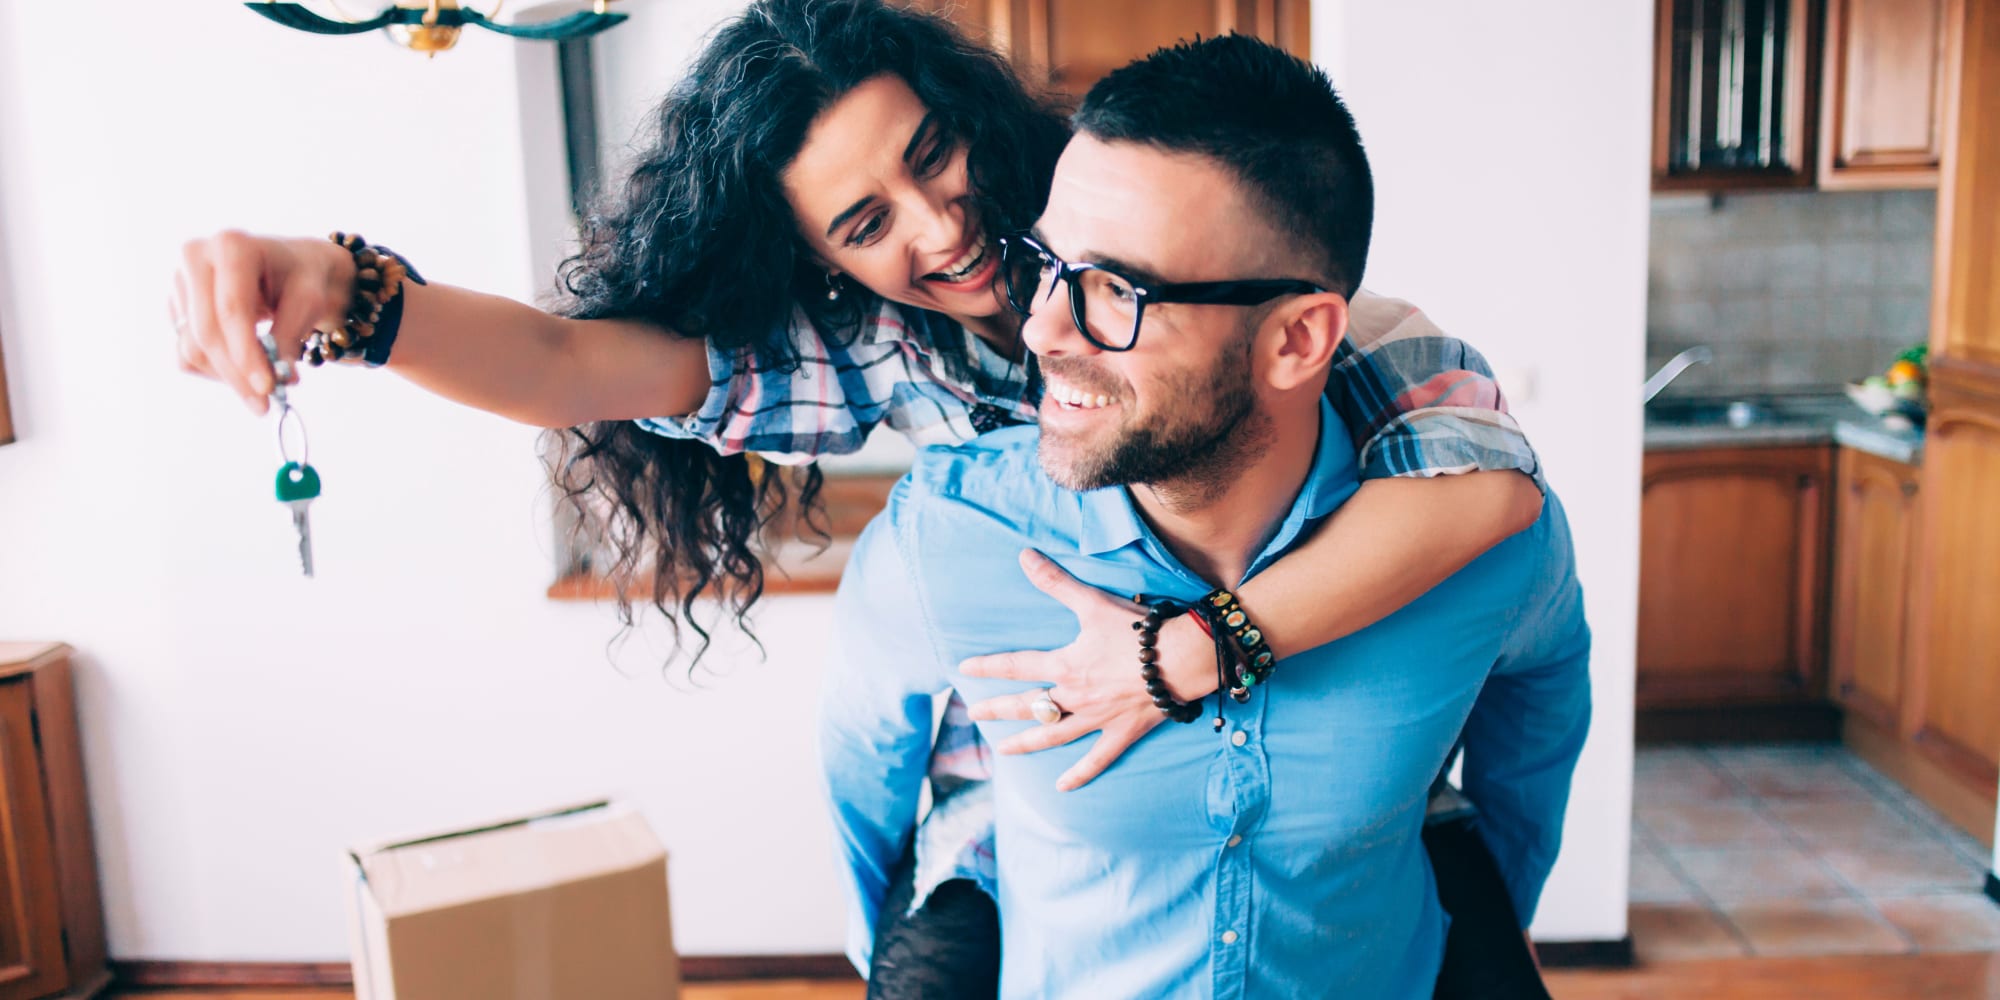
column 1071, row 397
column 964, row 265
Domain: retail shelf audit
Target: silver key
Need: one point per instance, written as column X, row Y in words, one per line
column 298, row 487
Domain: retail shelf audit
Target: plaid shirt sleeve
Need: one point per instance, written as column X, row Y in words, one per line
column 1418, row 401
column 842, row 388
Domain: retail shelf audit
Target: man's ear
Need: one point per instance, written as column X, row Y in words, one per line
column 1305, row 331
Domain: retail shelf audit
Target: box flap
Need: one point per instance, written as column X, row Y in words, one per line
column 518, row 856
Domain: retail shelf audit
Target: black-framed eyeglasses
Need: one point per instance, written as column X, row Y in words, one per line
column 1107, row 306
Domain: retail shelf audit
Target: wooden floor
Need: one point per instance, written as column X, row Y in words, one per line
column 1971, row 976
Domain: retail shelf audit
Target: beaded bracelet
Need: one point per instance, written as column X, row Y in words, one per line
column 1224, row 615
column 374, row 313
column 1157, row 612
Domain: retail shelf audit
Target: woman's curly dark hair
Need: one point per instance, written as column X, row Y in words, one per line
column 702, row 242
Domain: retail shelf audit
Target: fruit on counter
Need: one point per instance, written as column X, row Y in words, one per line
column 1904, row 373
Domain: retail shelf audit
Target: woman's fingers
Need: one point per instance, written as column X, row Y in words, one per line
column 196, row 281
column 192, row 360
column 1017, row 706
column 1110, row 746
column 1045, row 737
column 302, row 308
column 1021, row 665
column 1074, row 594
column 239, row 307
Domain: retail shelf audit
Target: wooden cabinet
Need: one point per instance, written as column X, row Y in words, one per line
column 1953, row 714
column 1875, row 546
column 1946, row 744
column 1734, row 104
column 1837, row 94
column 1965, row 309
column 51, row 923
column 1732, row 576
column 1882, row 104
column 1071, row 44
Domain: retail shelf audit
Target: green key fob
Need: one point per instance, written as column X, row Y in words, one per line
column 297, row 482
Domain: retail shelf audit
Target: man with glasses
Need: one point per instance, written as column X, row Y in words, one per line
column 1185, row 293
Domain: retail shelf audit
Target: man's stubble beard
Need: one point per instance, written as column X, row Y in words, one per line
column 1187, row 462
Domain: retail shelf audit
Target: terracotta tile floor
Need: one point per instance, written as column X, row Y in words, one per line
column 1796, row 850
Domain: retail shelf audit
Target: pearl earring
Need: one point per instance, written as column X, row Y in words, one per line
column 832, row 288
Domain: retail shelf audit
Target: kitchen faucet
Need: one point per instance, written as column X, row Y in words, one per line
column 1672, row 370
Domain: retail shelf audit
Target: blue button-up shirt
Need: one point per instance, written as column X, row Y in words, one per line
column 1280, row 858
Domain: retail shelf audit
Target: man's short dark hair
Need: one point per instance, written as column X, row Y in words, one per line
column 1271, row 118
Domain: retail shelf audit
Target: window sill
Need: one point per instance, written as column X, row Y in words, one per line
column 798, row 566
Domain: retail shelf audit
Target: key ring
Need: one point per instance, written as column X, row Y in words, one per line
column 280, row 371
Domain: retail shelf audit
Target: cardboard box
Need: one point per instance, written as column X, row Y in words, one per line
column 566, row 905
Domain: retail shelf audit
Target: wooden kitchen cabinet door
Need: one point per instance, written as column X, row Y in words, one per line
column 1953, row 713
column 1883, row 102
column 31, row 918
column 1735, row 94
column 1875, row 550
column 1965, row 303
column 1732, row 576
column 1068, row 45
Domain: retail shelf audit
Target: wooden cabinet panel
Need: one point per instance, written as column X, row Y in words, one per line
column 31, row 947
column 51, row 913
column 1965, row 308
column 1953, row 713
column 1070, row 44
column 1883, row 102
column 1732, row 576
column 1874, row 554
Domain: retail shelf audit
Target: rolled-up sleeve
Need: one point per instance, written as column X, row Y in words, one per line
column 1419, row 402
column 789, row 414
column 875, row 717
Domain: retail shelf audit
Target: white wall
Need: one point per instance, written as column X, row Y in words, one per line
column 1510, row 147
column 244, row 725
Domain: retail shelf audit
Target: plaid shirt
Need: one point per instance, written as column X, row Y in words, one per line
column 1416, row 401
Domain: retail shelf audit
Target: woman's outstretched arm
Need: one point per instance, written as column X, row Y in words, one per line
column 485, row 351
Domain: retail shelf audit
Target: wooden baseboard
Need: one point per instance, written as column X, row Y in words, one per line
column 694, row 968
column 1805, row 722
column 714, row 968
column 1968, row 808
column 1586, row 954
column 262, row 975
column 279, row 975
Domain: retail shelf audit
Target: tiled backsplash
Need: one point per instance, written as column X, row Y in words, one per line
column 1793, row 290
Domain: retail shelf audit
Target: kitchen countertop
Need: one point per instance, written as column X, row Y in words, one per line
column 1686, row 423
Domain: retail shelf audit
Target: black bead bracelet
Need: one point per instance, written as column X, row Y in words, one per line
column 1157, row 612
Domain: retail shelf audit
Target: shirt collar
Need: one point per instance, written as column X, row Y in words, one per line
column 1111, row 520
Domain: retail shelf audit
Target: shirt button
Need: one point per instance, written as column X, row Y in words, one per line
column 1228, row 937
column 1234, row 840
column 1239, row 738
